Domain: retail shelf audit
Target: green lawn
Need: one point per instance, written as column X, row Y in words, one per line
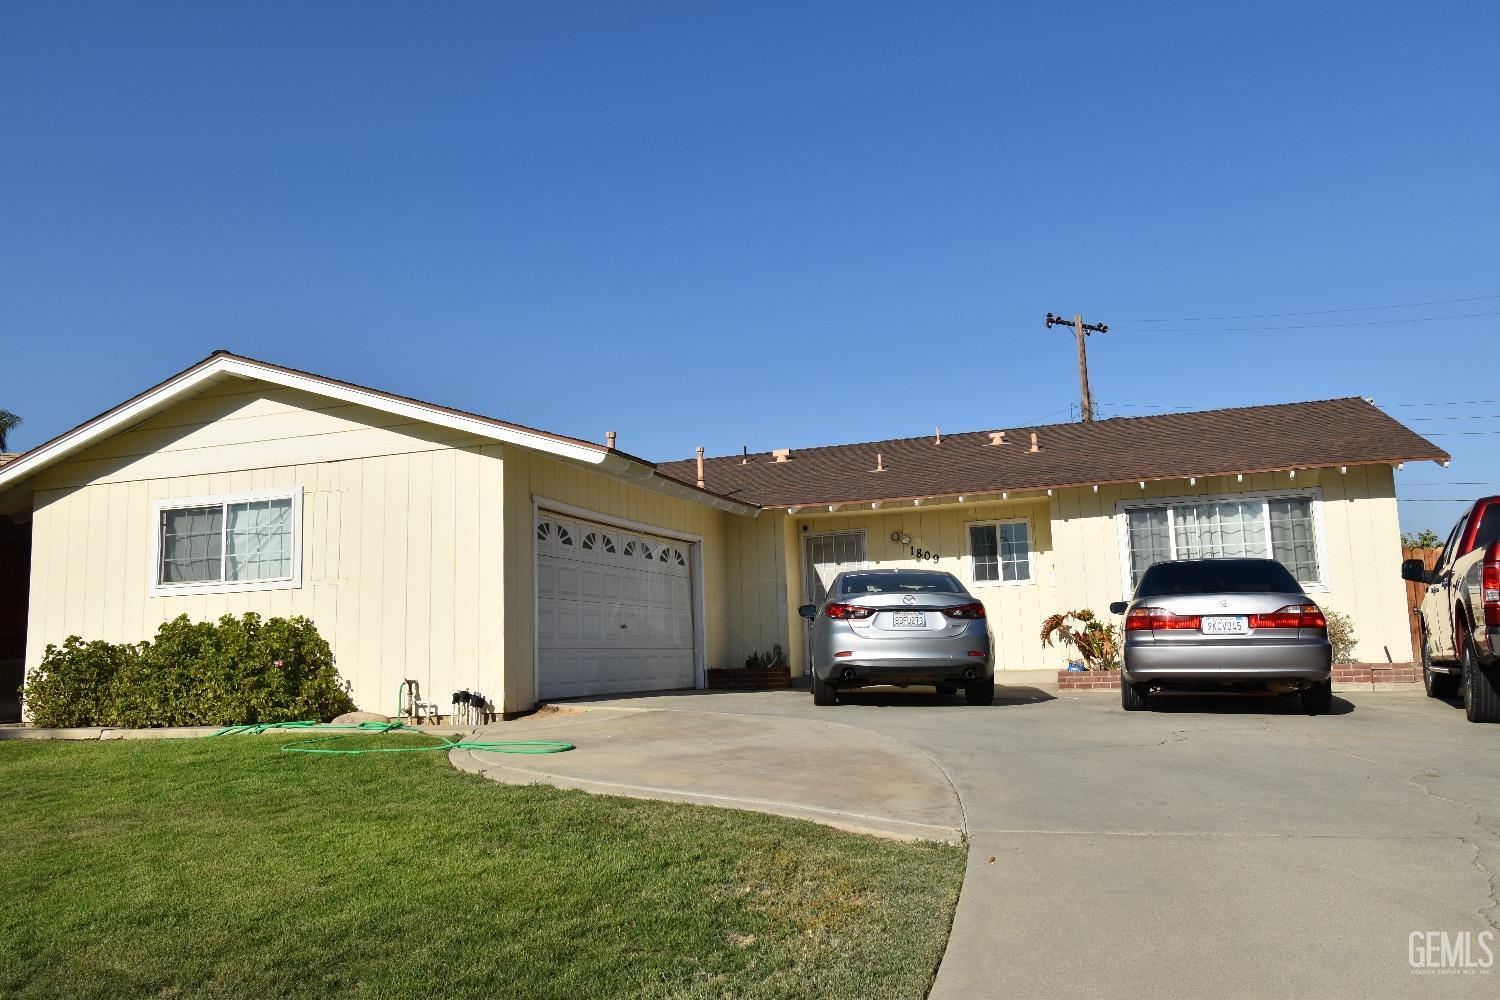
column 222, row 868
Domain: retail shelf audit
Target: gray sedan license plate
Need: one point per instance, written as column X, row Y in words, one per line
column 1225, row 625
column 909, row 619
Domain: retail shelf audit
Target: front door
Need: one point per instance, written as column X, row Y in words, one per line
column 824, row 556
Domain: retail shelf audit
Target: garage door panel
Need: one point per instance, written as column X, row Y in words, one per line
column 614, row 610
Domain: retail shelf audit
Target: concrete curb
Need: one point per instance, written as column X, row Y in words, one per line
column 86, row 733
column 91, row 733
column 874, row 826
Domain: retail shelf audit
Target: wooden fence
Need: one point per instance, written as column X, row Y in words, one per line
column 1414, row 595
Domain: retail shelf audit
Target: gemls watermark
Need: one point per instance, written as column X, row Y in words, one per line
column 1439, row 953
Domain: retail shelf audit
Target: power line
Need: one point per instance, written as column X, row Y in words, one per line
column 1469, row 482
column 1449, row 402
column 1445, row 434
column 1467, row 416
column 1315, row 312
column 1382, row 405
column 1329, row 326
column 1033, row 422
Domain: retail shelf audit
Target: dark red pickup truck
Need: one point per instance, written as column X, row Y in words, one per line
column 1460, row 613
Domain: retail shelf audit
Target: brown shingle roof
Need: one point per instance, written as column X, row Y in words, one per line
column 1205, row 443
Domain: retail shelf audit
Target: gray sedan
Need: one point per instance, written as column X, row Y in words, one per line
column 1224, row 624
column 902, row 627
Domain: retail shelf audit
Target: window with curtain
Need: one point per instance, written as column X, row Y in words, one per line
column 1280, row 528
column 246, row 541
column 1000, row 552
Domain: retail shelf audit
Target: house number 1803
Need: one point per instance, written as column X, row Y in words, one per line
column 924, row 555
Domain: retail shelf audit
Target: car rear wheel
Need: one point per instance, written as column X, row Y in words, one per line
column 1318, row 699
column 1481, row 685
column 1437, row 685
column 980, row 692
column 823, row 692
column 1134, row 697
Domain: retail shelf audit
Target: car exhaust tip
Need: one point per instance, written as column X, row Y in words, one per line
column 848, row 674
column 970, row 674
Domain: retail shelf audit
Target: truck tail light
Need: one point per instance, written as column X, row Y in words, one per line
column 1491, row 584
column 1148, row 619
column 975, row 610
column 846, row 611
column 1291, row 616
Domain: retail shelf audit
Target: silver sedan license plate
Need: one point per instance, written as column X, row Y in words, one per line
column 1225, row 625
column 909, row 619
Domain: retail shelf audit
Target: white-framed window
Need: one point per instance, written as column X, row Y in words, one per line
column 220, row 544
column 1286, row 526
column 999, row 552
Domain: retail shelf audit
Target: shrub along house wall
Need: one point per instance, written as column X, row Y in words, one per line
column 234, row 671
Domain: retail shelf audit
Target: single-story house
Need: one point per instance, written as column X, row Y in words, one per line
column 467, row 552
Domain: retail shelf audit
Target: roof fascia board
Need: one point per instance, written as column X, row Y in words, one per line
column 376, row 400
column 188, row 381
column 988, row 494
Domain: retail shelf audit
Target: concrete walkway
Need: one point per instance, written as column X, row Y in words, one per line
column 845, row 777
column 1216, row 847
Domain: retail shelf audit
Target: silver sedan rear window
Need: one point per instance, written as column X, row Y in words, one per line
column 902, row 583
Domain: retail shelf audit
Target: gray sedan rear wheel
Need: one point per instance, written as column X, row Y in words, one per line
column 823, row 692
column 980, row 692
column 1318, row 699
column 1134, row 697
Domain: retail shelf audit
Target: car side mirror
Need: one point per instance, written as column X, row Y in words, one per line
column 1415, row 571
column 808, row 611
column 1118, row 607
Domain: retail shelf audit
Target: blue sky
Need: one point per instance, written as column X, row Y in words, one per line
column 761, row 224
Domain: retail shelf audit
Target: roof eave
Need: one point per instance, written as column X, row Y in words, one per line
column 222, row 363
column 990, row 492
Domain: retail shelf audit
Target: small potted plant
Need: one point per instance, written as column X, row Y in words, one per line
column 771, row 660
column 760, row 672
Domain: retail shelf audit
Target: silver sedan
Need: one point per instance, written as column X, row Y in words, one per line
column 1224, row 624
column 902, row 627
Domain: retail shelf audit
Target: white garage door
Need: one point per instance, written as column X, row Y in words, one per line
column 614, row 610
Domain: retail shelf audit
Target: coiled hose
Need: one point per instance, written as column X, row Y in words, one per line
column 458, row 743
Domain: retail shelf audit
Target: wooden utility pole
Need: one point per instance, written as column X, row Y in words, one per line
column 1080, row 331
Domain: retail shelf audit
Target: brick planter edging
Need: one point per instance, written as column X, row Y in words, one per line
column 1343, row 673
column 1088, row 680
column 1377, row 673
column 749, row 678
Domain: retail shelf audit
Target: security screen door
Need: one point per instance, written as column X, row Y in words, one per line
column 825, row 556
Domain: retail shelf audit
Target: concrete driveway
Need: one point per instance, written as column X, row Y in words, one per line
column 1215, row 847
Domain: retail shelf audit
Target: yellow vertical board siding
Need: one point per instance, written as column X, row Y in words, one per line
column 390, row 538
column 370, row 542
column 489, row 671
column 754, row 581
column 1360, row 546
column 1015, row 609
column 1076, row 557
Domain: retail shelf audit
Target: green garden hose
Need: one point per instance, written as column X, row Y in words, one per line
column 305, row 746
